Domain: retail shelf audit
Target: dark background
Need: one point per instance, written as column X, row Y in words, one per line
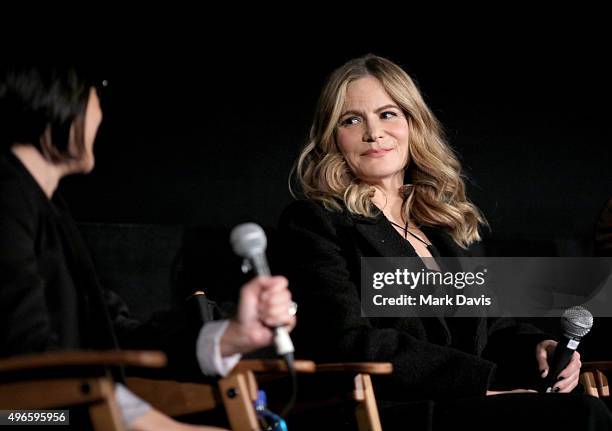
column 205, row 115
column 203, row 129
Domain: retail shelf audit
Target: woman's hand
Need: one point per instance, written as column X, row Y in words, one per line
column 567, row 379
column 265, row 303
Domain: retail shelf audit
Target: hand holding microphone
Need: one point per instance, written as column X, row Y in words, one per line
column 564, row 371
column 265, row 301
column 249, row 241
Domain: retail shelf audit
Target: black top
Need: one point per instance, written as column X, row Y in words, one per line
column 433, row 358
column 50, row 296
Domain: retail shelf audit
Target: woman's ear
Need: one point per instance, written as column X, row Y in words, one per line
column 74, row 148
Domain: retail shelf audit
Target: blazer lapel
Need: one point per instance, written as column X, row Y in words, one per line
column 379, row 233
column 383, row 237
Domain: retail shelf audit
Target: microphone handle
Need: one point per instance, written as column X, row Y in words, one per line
column 562, row 356
column 282, row 340
column 260, row 264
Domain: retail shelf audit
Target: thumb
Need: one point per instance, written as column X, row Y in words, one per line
column 542, row 359
column 249, row 298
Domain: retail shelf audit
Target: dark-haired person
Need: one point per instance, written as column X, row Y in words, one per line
column 50, row 298
column 379, row 180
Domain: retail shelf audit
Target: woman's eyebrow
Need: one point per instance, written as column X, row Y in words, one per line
column 355, row 112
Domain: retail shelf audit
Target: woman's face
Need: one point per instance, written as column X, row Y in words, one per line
column 372, row 134
column 93, row 117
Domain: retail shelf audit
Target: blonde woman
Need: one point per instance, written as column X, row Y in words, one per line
column 379, row 179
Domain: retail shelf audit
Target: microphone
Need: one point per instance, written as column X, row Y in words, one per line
column 249, row 241
column 576, row 322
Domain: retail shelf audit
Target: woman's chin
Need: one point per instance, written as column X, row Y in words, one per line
column 89, row 167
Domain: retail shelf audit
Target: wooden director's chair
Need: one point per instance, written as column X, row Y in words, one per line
column 55, row 380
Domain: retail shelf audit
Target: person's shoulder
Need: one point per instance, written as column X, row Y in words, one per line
column 10, row 183
column 313, row 216
column 305, row 209
column 305, row 205
column 13, row 194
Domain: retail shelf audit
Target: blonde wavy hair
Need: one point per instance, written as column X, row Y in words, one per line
column 435, row 193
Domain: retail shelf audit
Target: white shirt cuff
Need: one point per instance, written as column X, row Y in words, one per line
column 208, row 350
column 130, row 405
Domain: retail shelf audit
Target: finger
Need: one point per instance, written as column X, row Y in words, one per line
column 278, row 316
column 277, row 282
column 278, row 298
column 568, row 372
column 572, row 367
column 248, row 302
column 566, row 385
column 253, row 287
column 542, row 358
column 271, row 308
column 278, row 311
column 266, row 284
column 573, row 383
column 273, row 321
column 289, row 324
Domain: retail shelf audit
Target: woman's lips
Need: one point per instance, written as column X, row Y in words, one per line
column 377, row 152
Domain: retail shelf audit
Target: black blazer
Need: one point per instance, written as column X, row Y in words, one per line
column 433, row 358
column 50, row 296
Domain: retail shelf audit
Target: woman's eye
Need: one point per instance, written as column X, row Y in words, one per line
column 388, row 114
column 349, row 121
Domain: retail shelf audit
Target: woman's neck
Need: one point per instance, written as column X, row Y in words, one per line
column 44, row 172
column 389, row 200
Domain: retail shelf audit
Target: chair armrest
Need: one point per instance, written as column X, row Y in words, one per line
column 357, row 367
column 270, row 366
column 62, row 359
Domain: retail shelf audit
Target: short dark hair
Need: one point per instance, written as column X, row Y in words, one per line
column 35, row 100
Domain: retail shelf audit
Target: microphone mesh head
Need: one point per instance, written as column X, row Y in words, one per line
column 248, row 239
column 576, row 322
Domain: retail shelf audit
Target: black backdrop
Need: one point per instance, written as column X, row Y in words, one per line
column 202, row 131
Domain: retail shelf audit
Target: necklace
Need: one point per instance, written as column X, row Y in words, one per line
column 403, row 228
column 406, row 232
